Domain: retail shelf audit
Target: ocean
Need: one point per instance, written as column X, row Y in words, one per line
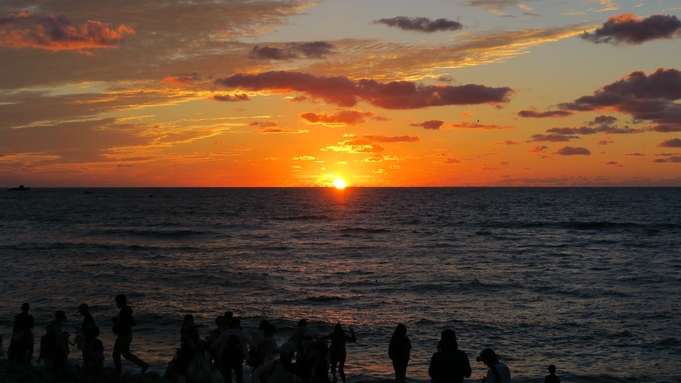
column 587, row 279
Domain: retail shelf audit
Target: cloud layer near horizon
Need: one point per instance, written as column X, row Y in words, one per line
column 345, row 92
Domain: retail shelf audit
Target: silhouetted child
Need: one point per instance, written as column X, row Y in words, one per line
column 552, row 378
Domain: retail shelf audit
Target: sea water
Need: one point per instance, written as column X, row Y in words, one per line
column 588, row 279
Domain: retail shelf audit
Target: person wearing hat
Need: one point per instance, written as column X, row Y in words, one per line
column 89, row 332
column 449, row 364
column 498, row 372
column 59, row 344
column 282, row 370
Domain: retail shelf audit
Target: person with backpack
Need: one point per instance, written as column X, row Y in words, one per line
column 498, row 372
column 89, row 331
column 449, row 364
column 122, row 328
column 232, row 349
column 21, row 344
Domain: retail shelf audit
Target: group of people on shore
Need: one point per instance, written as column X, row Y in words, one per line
column 224, row 351
column 55, row 344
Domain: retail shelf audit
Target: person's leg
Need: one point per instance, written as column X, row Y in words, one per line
column 129, row 356
column 341, row 368
column 239, row 372
column 334, row 364
column 117, row 352
column 29, row 348
column 400, row 373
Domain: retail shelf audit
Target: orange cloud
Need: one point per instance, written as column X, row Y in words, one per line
column 57, row 33
column 340, row 118
column 184, row 79
column 355, row 147
column 476, row 125
column 392, row 139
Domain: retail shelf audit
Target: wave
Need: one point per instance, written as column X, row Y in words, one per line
column 304, row 218
column 324, row 298
column 154, row 233
column 360, row 230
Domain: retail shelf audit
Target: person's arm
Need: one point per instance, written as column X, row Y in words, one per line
column 433, row 369
column 352, row 338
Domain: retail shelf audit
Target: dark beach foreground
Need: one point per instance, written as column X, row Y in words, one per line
column 19, row 373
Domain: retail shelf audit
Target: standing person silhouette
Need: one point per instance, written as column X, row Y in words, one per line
column 90, row 332
column 449, row 364
column 337, row 353
column 398, row 351
column 23, row 333
column 122, row 327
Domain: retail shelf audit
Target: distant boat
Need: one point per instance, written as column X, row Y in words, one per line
column 20, row 188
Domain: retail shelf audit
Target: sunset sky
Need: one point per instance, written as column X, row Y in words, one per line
column 376, row 92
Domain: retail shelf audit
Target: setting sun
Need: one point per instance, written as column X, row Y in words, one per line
column 339, row 183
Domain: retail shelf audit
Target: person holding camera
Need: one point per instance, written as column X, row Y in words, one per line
column 498, row 372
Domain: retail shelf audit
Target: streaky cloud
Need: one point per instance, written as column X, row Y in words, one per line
column 291, row 51
column 546, row 114
column 421, row 24
column 388, row 139
column 573, row 151
column 342, row 91
column 228, row 98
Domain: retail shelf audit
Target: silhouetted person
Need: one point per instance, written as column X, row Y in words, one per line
column 399, row 351
column 215, row 334
column 302, row 338
column 21, row 346
column 267, row 345
column 282, row 370
column 552, row 378
column 337, row 353
column 122, row 327
column 498, row 372
column 449, row 364
column 319, row 366
column 58, row 339
column 232, row 348
column 90, row 332
column 189, row 342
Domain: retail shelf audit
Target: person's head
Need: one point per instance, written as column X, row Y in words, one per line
column 220, row 321
column 302, row 323
column 263, row 324
column 286, row 351
column 552, row 369
column 401, row 329
column 228, row 316
column 121, row 300
column 25, row 307
column 60, row 316
column 270, row 330
column 338, row 329
column 235, row 323
column 188, row 320
column 488, row 356
column 83, row 309
column 448, row 341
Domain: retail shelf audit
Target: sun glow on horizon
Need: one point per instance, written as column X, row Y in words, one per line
column 339, row 184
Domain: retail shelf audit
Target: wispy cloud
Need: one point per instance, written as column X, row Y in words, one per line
column 421, row 24
column 290, row 51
